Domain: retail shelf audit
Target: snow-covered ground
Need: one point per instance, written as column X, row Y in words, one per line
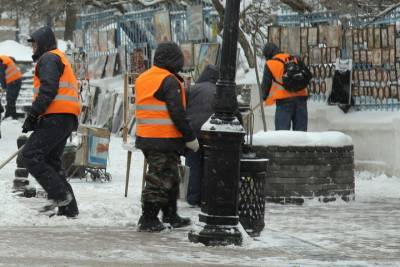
column 365, row 232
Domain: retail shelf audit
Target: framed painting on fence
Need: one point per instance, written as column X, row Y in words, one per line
column 384, row 37
column 94, row 41
column 385, row 56
column 312, row 36
column 370, row 40
column 377, row 38
column 91, row 67
column 303, row 40
column 111, row 39
column 274, row 35
column 196, row 52
column 294, row 44
column 391, row 36
column 100, row 67
column 139, row 60
column 195, row 23
column 78, row 38
column 377, row 57
column 208, row 54
column 162, row 26
column 110, row 66
column 103, row 43
column 187, row 51
column 284, row 47
column 122, row 58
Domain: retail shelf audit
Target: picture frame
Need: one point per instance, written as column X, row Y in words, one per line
column 103, row 41
column 138, row 60
column 187, row 51
column 370, row 40
column 274, row 35
column 208, row 54
column 312, row 36
column 162, row 26
column 110, row 66
column 284, row 47
column 111, row 34
column 391, row 36
column 377, row 38
column 195, row 23
column 294, row 40
column 78, row 38
column 303, row 40
column 94, row 41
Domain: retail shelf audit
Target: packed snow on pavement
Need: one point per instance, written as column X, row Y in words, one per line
column 365, row 232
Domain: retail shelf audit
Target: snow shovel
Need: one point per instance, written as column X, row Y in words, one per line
column 5, row 162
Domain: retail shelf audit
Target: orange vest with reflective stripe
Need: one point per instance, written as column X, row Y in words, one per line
column 277, row 91
column 152, row 117
column 12, row 71
column 67, row 98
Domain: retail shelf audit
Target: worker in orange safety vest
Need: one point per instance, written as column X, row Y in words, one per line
column 291, row 107
column 10, row 81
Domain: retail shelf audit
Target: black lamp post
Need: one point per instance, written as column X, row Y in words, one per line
column 222, row 135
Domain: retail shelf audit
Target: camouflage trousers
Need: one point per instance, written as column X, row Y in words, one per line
column 162, row 177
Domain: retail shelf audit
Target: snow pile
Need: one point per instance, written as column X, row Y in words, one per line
column 16, row 50
column 297, row 138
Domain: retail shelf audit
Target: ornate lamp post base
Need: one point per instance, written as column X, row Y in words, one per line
column 219, row 220
column 216, row 235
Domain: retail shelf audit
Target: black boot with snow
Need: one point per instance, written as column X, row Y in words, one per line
column 171, row 216
column 71, row 210
column 149, row 221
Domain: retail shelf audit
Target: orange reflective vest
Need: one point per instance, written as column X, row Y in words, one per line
column 12, row 71
column 152, row 117
column 67, row 98
column 277, row 91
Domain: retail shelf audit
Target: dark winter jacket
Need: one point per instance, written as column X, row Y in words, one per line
column 201, row 98
column 3, row 68
column 169, row 56
column 49, row 69
column 269, row 51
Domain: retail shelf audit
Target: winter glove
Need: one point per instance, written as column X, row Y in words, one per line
column 29, row 123
column 193, row 145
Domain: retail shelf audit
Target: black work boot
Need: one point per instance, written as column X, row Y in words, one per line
column 10, row 112
column 71, row 210
column 149, row 221
column 171, row 216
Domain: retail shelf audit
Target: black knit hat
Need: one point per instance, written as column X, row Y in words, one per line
column 270, row 50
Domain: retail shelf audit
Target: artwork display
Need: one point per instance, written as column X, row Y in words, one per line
column 162, row 26
column 187, row 50
column 208, row 54
column 195, row 23
column 94, row 40
column 110, row 67
column 274, row 35
column 78, row 38
column 139, row 60
column 103, row 41
column 111, row 39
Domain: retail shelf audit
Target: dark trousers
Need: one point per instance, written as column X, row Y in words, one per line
column 13, row 92
column 291, row 113
column 43, row 150
column 194, row 160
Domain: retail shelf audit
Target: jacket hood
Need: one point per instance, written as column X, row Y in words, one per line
column 45, row 40
column 270, row 50
column 169, row 56
column 209, row 74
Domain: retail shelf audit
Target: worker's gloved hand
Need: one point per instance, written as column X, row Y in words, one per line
column 29, row 123
column 193, row 145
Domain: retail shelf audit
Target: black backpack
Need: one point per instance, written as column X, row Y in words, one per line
column 296, row 75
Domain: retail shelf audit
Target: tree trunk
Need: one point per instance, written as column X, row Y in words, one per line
column 70, row 19
column 241, row 36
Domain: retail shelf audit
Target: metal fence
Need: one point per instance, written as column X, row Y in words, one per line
column 136, row 29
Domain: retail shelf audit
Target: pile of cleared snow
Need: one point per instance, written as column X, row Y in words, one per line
column 16, row 50
column 297, row 138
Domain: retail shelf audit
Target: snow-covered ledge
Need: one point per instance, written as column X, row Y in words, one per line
column 306, row 165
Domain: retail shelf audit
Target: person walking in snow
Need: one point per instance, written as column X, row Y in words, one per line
column 291, row 107
column 52, row 118
column 199, row 109
column 162, row 133
column 10, row 81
